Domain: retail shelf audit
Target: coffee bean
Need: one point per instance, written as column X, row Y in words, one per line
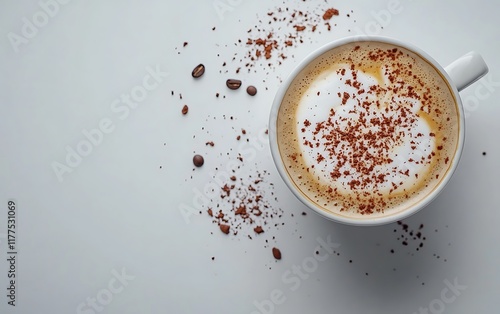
column 233, row 84
column 224, row 228
column 198, row 160
column 185, row 109
column 251, row 90
column 276, row 253
column 198, row 71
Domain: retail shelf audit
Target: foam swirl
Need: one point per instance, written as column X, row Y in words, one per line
column 358, row 133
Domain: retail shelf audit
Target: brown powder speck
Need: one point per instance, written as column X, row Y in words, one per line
column 299, row 28
column 330, row 13
column 225, row 228
column 245, row 206
column 262, row 41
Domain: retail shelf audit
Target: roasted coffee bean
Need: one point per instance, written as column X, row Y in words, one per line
column 233, row 84
column 224, row 228
column 198, row 160
column 276, row 253
column 258, row 230
column 198, row 71
column 251, row 90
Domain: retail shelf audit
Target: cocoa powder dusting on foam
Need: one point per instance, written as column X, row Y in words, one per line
column 362, row 141
column 365, row 151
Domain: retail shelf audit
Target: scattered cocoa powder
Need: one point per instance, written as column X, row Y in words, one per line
column 410, row 237
column 247, row 205
column 330, row 13
column 262, row 42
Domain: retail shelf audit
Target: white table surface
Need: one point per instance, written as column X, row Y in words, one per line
column 109, row 236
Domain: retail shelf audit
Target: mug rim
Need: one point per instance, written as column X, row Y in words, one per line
column 374, row 221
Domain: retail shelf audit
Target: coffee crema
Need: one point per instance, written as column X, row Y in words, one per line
column 367, row 129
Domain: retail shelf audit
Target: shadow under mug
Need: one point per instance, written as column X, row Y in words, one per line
column 458, row 75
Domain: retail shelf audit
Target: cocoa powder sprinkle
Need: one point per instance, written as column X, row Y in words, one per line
column 330, row 13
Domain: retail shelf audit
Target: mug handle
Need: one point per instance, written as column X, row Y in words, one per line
column 467, row 69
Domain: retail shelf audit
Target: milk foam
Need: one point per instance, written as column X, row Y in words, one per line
column 367, row 129
column 406, row 153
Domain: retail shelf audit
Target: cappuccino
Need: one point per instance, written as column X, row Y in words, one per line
column 367, row 129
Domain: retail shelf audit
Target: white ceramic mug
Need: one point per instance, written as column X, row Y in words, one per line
column 459, row 74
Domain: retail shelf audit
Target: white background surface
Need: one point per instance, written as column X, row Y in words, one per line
column 118, row 211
